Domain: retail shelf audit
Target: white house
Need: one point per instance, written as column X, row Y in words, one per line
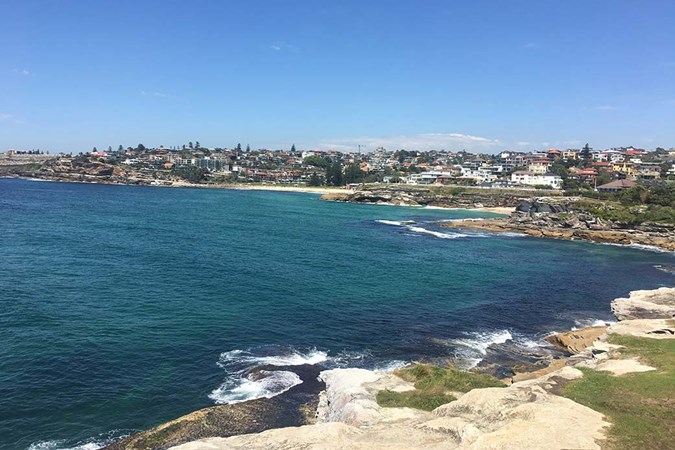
column 537, row 179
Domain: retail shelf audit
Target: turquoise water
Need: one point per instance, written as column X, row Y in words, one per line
column 122, row 307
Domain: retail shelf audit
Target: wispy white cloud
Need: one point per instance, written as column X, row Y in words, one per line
column 605, row 108
column 156, row 94
column 424, row 141
column 24, row 72
column 530, row 45
column 280, row 46
column 9, row 118
column 523, row 144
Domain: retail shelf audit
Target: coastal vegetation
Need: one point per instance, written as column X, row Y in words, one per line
column 434, row 386
column 640, row 406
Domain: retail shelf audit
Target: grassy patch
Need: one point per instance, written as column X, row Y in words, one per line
column 413, row 399
column 433, row 386
column 640, row 406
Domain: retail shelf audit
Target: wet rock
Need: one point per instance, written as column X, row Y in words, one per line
column 285, row 410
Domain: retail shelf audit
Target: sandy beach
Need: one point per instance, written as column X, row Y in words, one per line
column 497, row 210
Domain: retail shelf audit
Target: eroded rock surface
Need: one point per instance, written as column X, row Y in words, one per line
column 524, row 416
column 651, row 304
column 578, row 340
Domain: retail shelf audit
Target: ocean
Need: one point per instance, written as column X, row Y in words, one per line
column 122, row 307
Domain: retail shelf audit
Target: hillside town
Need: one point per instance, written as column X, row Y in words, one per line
column 607, row 170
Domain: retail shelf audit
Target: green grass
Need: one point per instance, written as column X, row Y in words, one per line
column 413, row 399
column 640, row 406
column 433, row 386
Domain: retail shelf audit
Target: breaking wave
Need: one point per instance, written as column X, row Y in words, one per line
column 412, row 227
column 261, row 384
column 292, row 358
column 471, row 349
column 667, row 268
column 648, row 248
column 93, row 443
column 591, row 322
column 244, row 381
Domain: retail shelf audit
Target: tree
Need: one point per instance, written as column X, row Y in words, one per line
column 190, row 145
column 293, row 147
column 197, row 146
column 191, row 173
column 140, row 147
column 586, row 154
column 317, row 161
column 238, row 147
column 315, row 180
column 120, row 148
column 93, row 150
column 353, row 174
column 248, row 148
column 604, row 177
column 334, row 174
column 559, row 169
column 109, row 148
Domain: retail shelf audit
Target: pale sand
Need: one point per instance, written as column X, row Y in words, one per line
column 497, row 210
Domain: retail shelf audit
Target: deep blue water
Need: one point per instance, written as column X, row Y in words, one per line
column 123, row 307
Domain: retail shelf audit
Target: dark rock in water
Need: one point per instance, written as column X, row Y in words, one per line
column 540, row 207
column 523, row 206
column 504, row 360
column 294, row 407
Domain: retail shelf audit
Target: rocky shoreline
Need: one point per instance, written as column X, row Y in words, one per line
column 435, row 196
column 527, row 414
column 562, row 220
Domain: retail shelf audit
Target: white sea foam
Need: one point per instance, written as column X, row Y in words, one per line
column 243, row 383
column 262, row 384
column 474, row 347
column 455, row 220
column 526, row 342
column 390, row 366
column 59, row 445
column 390, row 222
column 512, row 234
column 437, row 234
column 591, row 322
column 292, row 358
column 93, row 443
column 421, row 230
column 649, row 248
column 668, row 268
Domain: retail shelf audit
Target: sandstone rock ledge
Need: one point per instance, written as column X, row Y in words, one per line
column 523, row 416
column 653, row 304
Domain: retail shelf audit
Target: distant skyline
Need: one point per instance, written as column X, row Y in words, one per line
column 482, row 76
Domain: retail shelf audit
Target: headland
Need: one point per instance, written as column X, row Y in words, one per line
column 555, row 406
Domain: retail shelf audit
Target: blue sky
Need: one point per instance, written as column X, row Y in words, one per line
column 479, row 75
